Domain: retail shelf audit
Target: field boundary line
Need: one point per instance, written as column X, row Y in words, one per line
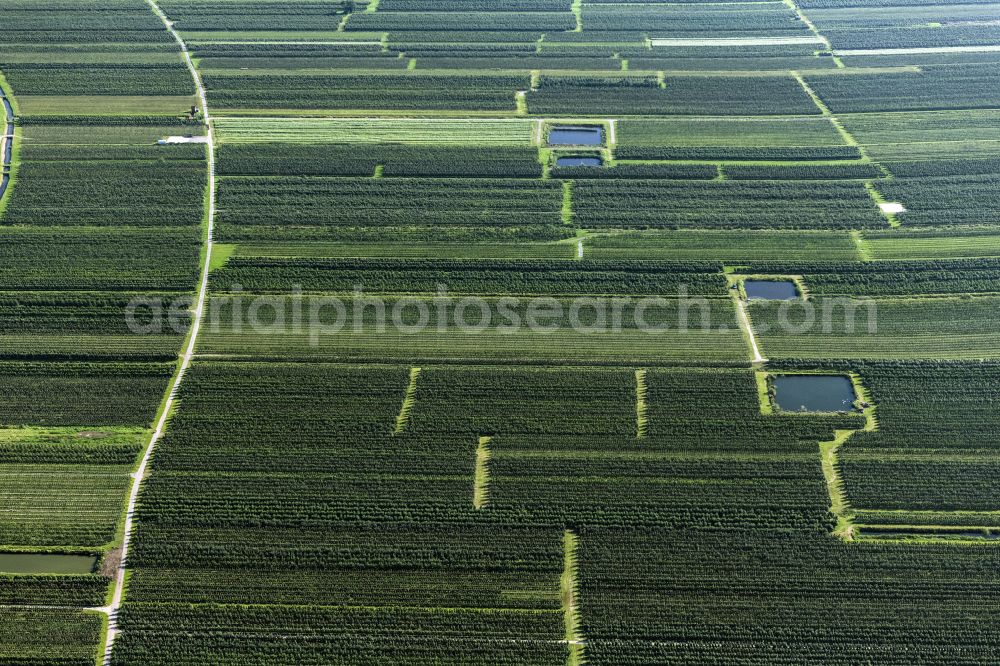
column 569, row 592
column 481, row 484
column 814, row 30
column 880, row 200
column 824, row 109
column 567, row 202
column 861, row 243
column 641, row 407
column 849, row 139
column 403, row 419
column 839, row 504
column 747, row 327
column 111, row 610
column 834, row 120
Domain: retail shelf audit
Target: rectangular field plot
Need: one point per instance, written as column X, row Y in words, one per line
column 899, row 26
column 284, row 159
column 726, row 59
column 49, row 636
column 495, row 329
column 251, row 39
column 733, row 139
column 930, row 463
column 882, row 278
column 140, row 192
column 62, row 341
column 386, row 202
column 65, row 487
column 396, row 634
column 468, row 277
column 262, row 89
column 103, row 258
column 168, row 106
column 744, row 204
column 367, row 58
column 702, row 24
column 916, row 35
column 67, row 394
column 918, row 244
column 97, row 326
column 728, row 246
column 457, row 20
column 926, row 328
column 967, row 200
column 416, row 249
column 61, row 505
column 932, row 409
column 791, row 40
column 46, row 79
column 224, row 16
column 684, row 95
column 678, row 592
column 844, row 170
column 927, row 135
column 410, row 131
column 930, row 89
column 907, row 482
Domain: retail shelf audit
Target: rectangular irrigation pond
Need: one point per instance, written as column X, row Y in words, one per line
column 771, row 290
column 579, row 162
column 46, row 563
column 566, row 135
column 814, row 393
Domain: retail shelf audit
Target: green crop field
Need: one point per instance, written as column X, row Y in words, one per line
column 503, row 332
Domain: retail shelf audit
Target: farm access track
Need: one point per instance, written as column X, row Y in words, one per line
column 184, row 362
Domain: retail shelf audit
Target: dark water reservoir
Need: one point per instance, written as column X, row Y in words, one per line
column 579, row 162
column 46, row 563
column 565, row 135
column 8, row 125
column 814, row 393
column 771, row 290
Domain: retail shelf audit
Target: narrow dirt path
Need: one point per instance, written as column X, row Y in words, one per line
column 744, row 320
column 185, row 360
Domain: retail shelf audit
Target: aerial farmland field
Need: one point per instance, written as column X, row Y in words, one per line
column 499, row 332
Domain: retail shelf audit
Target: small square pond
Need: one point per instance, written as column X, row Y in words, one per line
column 770, row 290
column 566, row 135
column 814, row 393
